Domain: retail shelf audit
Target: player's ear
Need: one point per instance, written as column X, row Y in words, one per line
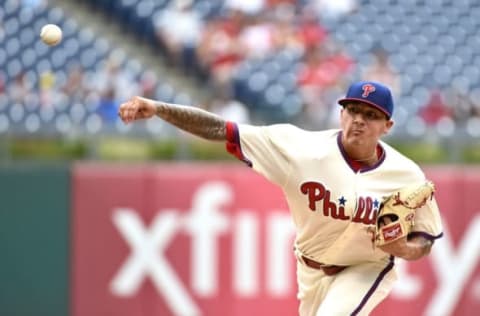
column 388, row 126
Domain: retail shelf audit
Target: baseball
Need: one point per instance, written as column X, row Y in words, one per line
column 51, row 34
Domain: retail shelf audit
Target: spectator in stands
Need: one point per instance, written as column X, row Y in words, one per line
column 382, row 71
column 285, row 31
column 225, row 106
column 47, row 87
column 75, row 86
column 461, row 104
column 219, row 52
column 112, row 83
column 250, row 7
column 113, row 76
column 475, row 100
column 148, row 84
column 19, row 88
column 324, row 70
column 108, row 106
column 257, row 38
column 310, row 31
column 435, row 110
column 179, row 30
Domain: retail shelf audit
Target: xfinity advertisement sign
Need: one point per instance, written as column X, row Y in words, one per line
column 190, row 241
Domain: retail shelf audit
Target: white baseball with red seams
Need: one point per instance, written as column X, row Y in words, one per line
column 51, row 34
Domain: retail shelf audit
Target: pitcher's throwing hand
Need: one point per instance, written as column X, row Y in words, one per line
column 135, row 109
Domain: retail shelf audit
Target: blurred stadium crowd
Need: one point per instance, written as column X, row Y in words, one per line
column 261, row 61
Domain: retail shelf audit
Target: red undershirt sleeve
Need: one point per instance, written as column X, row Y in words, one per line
column 233, row 143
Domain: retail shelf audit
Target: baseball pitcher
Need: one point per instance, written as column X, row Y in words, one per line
column 356, row 202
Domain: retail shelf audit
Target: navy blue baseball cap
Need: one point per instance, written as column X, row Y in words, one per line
column 371, row 93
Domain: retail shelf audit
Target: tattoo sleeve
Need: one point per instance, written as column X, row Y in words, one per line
column 193, row 120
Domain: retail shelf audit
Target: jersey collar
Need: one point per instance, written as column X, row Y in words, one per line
column 355, row 165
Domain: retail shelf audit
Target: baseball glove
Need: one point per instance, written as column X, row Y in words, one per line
column 400, row 208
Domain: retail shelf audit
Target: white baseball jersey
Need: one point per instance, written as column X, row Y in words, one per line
column 332, row 205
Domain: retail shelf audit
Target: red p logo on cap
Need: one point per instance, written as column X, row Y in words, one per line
column 367, row 88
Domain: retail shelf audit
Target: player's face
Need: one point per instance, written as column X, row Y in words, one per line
column 363, row 124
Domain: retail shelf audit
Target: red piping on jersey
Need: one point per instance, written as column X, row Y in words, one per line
column 355, row 165
column 233, row 143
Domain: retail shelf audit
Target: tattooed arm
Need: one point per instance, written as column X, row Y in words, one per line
column 411, row 249
column 190, row 119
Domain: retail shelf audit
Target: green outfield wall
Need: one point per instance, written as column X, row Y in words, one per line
column 34, row 240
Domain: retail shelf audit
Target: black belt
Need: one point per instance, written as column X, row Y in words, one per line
column 327, row 269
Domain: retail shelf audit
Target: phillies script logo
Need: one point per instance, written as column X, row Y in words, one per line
column 365, row 213
column 367, row 89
